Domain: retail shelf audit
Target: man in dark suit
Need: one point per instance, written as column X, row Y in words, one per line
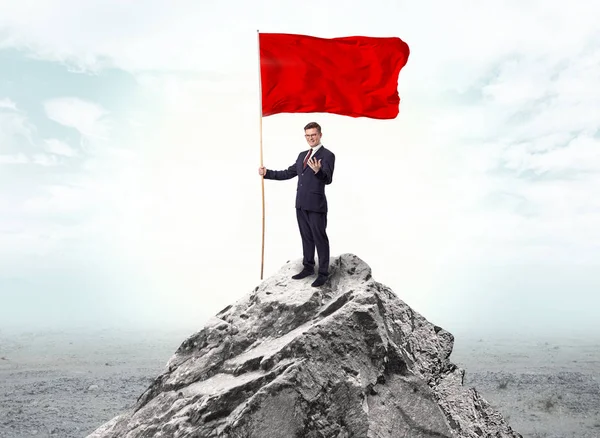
column 314, row 169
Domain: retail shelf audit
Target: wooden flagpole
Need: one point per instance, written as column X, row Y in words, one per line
column 262, row 179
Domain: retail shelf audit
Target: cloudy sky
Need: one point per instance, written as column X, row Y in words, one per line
column 129, row 143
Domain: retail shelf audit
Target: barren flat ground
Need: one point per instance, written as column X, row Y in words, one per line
column 67, row 383
column 543, row 387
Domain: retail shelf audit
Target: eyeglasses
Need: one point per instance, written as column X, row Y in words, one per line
column 310, row 135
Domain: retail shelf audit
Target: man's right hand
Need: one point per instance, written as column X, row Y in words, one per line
column 262, row 171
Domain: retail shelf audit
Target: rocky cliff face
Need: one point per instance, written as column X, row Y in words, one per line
column 349, row 359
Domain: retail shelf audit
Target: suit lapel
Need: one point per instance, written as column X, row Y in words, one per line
column 316, row 155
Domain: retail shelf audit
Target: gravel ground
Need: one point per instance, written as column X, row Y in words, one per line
column 66, row 384
column 547, row 389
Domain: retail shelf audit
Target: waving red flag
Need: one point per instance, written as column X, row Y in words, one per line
column 355, row 76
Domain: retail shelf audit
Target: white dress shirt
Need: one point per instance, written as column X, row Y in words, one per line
column 314, row 151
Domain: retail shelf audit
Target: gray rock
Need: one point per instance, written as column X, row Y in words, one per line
column 349, row 359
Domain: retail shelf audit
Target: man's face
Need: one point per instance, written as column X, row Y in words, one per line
column 313, row 137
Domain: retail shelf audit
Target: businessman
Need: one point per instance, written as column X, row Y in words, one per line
column 314, row 169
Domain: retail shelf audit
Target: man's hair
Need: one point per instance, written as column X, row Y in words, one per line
column 313, row 125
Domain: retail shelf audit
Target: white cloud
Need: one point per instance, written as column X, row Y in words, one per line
column 14, row 159
column 45, row 160
column 580, row 154
column 16, row 132
column 151, row 37
column 58, row 147
column 519, row 82
column 39, row 159
column 18, row 138
column 6, row 103
column 58, row 199
column 87, row 117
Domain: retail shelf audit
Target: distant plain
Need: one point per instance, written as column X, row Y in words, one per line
column 67, row 383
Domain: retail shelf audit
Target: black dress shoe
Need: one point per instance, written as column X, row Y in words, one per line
column 320, row 281
column 302, row 274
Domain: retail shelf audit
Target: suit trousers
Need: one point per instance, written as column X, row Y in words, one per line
column 312, row 227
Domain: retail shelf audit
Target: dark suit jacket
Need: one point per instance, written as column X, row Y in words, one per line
column 310, row 193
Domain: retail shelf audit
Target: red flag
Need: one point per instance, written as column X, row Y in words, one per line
column 355, row 76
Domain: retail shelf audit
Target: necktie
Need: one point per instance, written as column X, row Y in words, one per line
column 306, row 159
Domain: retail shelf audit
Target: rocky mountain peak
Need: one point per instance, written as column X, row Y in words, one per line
column 349, row 359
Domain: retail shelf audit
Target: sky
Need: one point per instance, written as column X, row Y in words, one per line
column 130, row 142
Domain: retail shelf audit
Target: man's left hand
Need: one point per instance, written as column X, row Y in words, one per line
column 314, row 164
